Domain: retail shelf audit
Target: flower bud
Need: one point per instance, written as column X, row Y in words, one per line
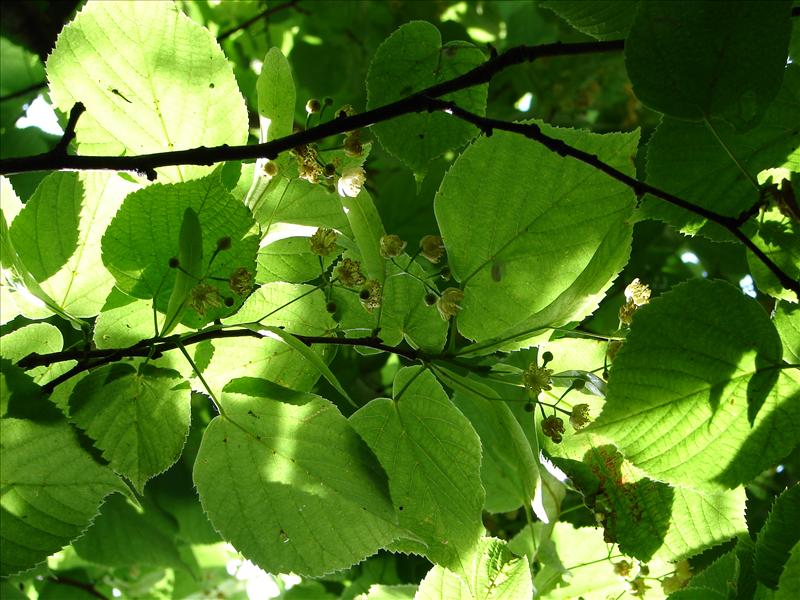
column 432, row 248
column 313, row 106
column 637, row 292
column 349, row 273
column 580, row 416
column 553, row 427
column 537, row 379
column 370, row 295
column 270, row 168
column 204, row 296
column 241, row 281
column 323, row 242
column 351, row 181
column 391, row 246
column 448, row 303
column 626, row 312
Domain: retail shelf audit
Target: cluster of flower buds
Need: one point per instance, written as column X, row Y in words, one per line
column 241, row 281
column 679, row 579
column 553, row 427
column 309, row 166
column 352, row 143
column 636, row 294
column 580, row 416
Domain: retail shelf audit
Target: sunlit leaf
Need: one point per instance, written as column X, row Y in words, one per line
column 431, row 454
column 138, row 419
column 534, row 256
column 697, row 395
column 151, row 80
column 51, row 491
column 276, row 466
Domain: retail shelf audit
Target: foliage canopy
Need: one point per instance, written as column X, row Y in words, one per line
column 508, row 309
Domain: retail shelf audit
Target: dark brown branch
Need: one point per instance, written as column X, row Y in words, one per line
column 639, row 188
column 156, row 347
column 147, row 163
column 60, row 149
column 262, row 15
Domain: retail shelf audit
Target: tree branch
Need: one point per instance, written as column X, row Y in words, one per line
column 262, row 15
column 640, row 188
column 424, row 100
column 147, row 163
column 157, row 346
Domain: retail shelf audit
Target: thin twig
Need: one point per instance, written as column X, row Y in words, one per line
column 60, row 149
column 157, row 346
column 262, row 15
column 640, row 188
column 148, row 163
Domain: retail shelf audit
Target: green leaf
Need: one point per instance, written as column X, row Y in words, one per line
column 41, row 338
column 138, row 419
column 714, row 166
column 493, row 573
column 143, row 237
column 538, row 264
column 21, row 397
column 51, row 491
column 509, row 467
column 276, row 466
column 695, row 60
column 389, row 592
column 603, row 20
column 404, row 313
column 20, row 292
column 790, row 578
column 412, row 59
column 189, row 271
column 787, row 322
column 291, row 200
column 19, row 69
column 297, row 308
column 276, row 96
column 777, row 538
column 45, row 232
column 123, row 535
column 779, row 237
column 151, row 80
column 290, row 260
column 312, row 357
column 697, row 396
column 367, row 228
column 432, row 456
column 57, row 236
column 648, row 518
column 123, row 321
